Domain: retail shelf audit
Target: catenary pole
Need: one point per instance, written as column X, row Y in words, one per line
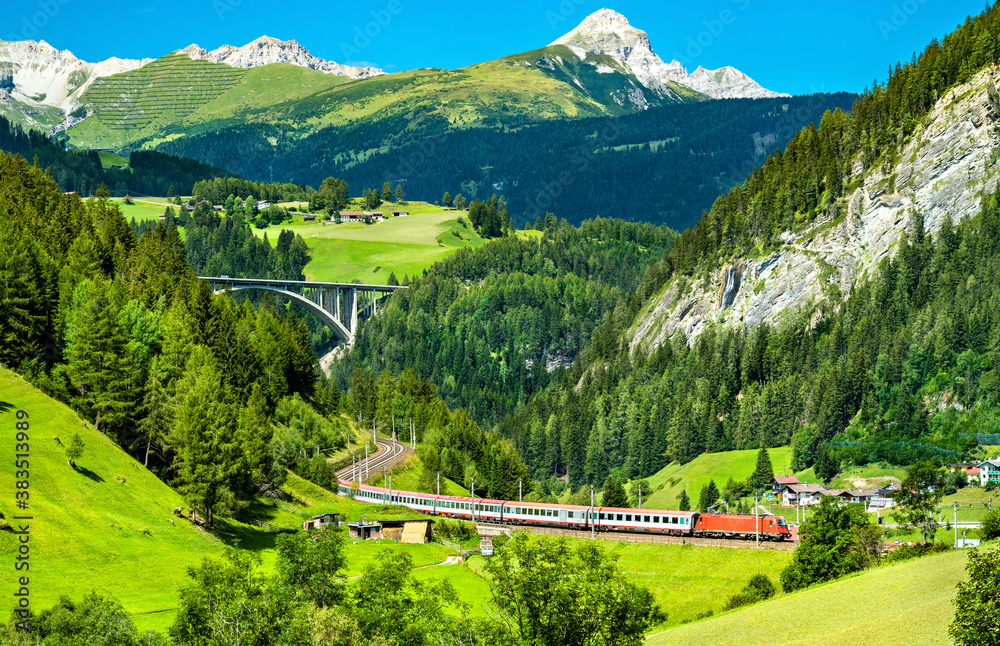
column 592, row 514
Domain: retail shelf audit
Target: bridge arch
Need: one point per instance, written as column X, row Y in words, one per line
column 340, row 306
column 328, row 319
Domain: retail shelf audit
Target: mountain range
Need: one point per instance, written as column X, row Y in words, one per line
column 603, row 67
column 609, row 32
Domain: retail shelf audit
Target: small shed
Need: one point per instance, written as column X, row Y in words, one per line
column 365, row 530
column 320, row 520
column 400, row 214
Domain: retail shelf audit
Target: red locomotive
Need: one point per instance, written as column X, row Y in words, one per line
column 741, row 526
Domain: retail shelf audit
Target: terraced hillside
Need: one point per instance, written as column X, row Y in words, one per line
column 134, row 104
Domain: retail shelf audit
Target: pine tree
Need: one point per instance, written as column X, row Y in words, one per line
column 685, row 501
column 96, row 353
column 613, row 494
column 709, row 496
column 446, row 200
column 763, row 475
column 75, row 449
column 825, row 465
column 400, row 194
column 386, row 192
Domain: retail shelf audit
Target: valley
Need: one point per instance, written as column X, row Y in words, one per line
column 660, row 353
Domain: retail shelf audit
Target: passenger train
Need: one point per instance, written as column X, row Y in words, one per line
column 650, row 521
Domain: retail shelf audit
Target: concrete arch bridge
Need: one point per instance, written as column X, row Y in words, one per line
column 341, row 306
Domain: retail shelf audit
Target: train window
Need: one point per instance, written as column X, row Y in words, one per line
column 600, row 517
column 656, row 519
column 628, row 518
column 645, row 519
column 619, row 517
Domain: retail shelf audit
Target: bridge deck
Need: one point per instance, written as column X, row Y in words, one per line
column 298, row 283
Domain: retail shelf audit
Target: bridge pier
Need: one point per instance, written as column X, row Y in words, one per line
column 328, row 301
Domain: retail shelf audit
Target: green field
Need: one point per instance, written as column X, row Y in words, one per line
column 109, row 159
column 694, row 475
column 93, row 531
column 405, row 246
column 905, row 604
column 687, row 580
column 140, row 209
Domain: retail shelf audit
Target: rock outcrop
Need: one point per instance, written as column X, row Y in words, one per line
column 944, row 169
column 609, row 32
column 266, row 50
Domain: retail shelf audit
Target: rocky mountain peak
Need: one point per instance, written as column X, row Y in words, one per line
column 608, row 32
column 267, row 50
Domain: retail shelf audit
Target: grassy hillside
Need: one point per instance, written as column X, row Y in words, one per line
column 92, row 531
column 694, row 475
column 905, row 604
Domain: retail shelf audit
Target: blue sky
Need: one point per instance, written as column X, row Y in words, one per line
column 791, row 46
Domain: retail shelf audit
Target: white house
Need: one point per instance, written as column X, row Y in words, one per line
column 989, row 471
column 802, row 494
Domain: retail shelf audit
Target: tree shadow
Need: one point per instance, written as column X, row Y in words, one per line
column 5, row 406
column 90, row 474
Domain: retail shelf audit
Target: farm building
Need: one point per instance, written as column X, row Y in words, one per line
column 403, row 531
column 400, row 214
column 319, row 521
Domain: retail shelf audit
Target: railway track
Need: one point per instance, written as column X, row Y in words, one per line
column 628, row 537
column 387, row 455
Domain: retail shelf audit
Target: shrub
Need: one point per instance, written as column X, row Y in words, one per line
column 758, row 588
column 990, row 528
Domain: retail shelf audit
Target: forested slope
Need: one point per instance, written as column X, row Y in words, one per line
column 900, row 367
column 663, row 165
column 149, row 172
column 489, row 327
column 217, row 398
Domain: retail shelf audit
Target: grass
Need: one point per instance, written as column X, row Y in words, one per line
column 369, row 253
column 908, row 603
column 692, row 476
column 109, row 159
column 407, row 477
column 686, row 580
column 91, row 531
column 140, row 210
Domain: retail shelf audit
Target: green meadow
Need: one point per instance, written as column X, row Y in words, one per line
column 907, row 603
column 405, row 246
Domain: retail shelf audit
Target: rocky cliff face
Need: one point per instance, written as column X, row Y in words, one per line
column 38, row 75
column 944, row 170
column 266, row 50
column 609, row 32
